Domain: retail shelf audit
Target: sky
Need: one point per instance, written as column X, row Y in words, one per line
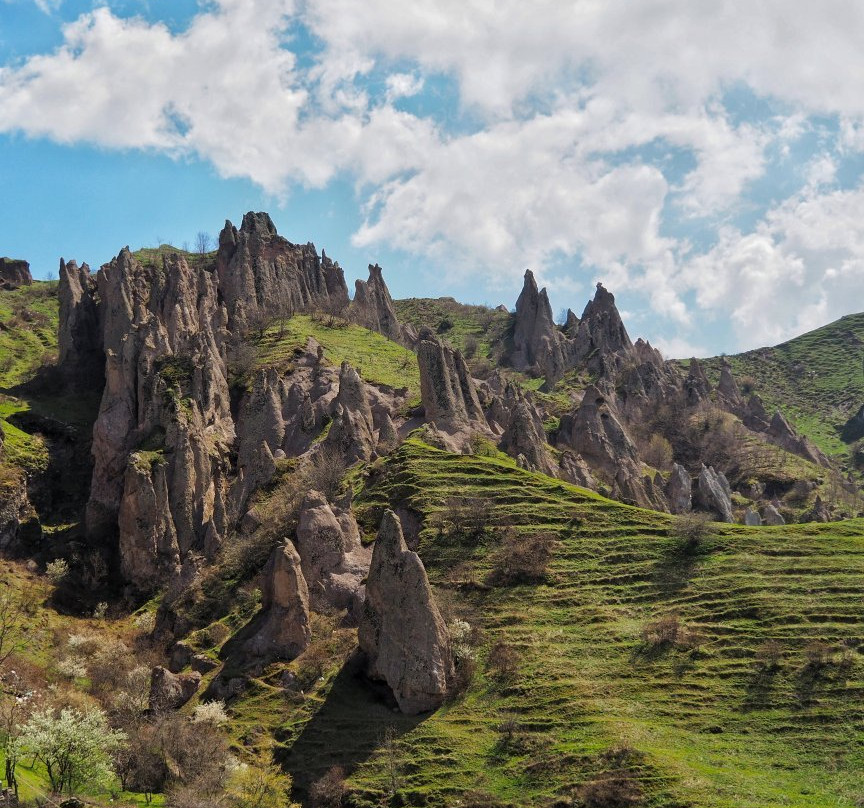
column 704, row 159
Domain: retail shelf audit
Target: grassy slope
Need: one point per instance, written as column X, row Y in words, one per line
column 816, row 379
column 714, row 731
column 376, row 358
column 487, row 326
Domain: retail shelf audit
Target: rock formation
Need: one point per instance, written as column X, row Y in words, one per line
column 771, row 516
column 697, row 388
column 401, row 632
column 262, row 275
column 525, row 436
column 14, row 273
column 781, row 433
column 352, row 431
column 170, row 691
column 149, row 552
column 536, row 340
column 594, row 432
column 713, row 493
column 283, row 632
column 333, row 560
column 679, row 490
column 601, row 335
column 372, row 306
column 447, row 390
column 752, row 518
column 81, row 358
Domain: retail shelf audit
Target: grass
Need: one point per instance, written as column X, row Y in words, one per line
column 376, row 358
column 707, row 721
column 28, row 330
column 815, row 379
column 455, row 322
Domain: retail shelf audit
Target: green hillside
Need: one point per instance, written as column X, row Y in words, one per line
column 817, row 379
column 725, row 673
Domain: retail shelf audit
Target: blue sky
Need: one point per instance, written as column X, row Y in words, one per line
column 703, row 159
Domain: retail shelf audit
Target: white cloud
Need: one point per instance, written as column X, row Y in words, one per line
column 565, row 101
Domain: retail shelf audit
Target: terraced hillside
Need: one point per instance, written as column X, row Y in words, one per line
column 817, row 378
column 725, row 671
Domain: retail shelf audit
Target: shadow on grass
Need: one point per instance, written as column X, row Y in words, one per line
column 758, row 696
column 674, row 569
column 350, row 726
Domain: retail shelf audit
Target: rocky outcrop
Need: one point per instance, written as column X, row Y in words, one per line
column 447, row 390
column 262, row 275
column 333, row 560
column 595, row 433
column 525, row 436
column 536, row 340
column 19, row 523
column 853, row 429
column 81, row 357
column 727, row 388
column 373, row 307
column 149, row 552
column 162, row 332
column 283, row 630
column 679, row 490
column 170, row 691
column 781, row 434
column 697, row 388
column 714, row 494
column 771, row 516
column 601, row 337
column 14, row 273
column 352, row 432
column 752, row 518
column 401, row 632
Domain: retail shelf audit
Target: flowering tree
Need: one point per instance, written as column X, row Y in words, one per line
column 75, row 747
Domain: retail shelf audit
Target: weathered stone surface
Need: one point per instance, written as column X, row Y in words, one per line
column 697, row 388
column 18, row 520
column 525, row 436
column 536, row 340
column 401, row 631
column 373, row 307
column 752, row 518
column 149, row 552
column 447, row 390
column 81, row 357
column 771, row 516
column 781, row 433
column 14, row 273
column 333, row 560
column 352, row 432
column 601, row 333
column 262, row 275
column 283, row 631
column 388, row 437
column 169, row 691
column 594, row 432
column 713, row 493
column 853, row 429
column 727, row 388
column 679, row 490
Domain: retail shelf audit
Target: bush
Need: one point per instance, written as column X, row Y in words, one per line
column 471, row 346
column 329, row 790
column 522, row 558
column 658, row 452
column 691, row 530
column 668, row 631
column 617, row 786
column 503, row 661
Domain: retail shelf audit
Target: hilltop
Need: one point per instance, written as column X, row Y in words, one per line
column 423, row 553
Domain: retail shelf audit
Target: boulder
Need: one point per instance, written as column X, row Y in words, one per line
column 713, row 493
column 401, row 632
column 771, row 516
column 332, row 557
column 525, row 436
column 679, row 490
column 752, row 518
column 14, row 273
column 81, row 356
column 283, row 631
column 697, row 388
column 601, row 334
column 170, row 691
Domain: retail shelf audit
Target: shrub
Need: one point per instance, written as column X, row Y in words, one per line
column 329, row 790
column 691, row 530
column 57, row 570
column 471, row 346
column 668, row 631
column 768, row 656
column 658, row 452
column 503, row 661
column 210, row 712
column 522, row 558
column 617, row 786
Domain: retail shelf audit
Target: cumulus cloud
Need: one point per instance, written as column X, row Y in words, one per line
column 600, row 132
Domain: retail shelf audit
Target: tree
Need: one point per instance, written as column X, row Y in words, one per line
column 14, row 609
column 75, row 747
column 203, row 242
column 264, row 785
